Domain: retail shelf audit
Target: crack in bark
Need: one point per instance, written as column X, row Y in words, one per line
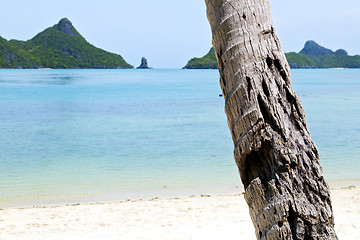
column 264, row 32
column 248, row 80
column 293, row 221
column 268, row 117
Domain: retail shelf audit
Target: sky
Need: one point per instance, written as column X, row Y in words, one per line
column 169, row 33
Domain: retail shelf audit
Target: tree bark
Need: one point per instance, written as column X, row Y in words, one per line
column 277, row 159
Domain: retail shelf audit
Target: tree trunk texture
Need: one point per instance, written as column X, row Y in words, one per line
column 277, row 159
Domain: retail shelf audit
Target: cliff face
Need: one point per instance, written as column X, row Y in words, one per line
column 65, row 26
column 60, row 46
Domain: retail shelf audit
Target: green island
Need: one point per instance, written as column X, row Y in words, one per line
column 60, row 47
column 311, row 56
column 208, row 61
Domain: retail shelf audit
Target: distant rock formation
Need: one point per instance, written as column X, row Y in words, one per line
column 144, row 64
column 312, row 48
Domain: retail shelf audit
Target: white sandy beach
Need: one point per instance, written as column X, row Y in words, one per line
column 195, row 217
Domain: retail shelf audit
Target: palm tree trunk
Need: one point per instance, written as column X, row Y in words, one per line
column 277, row 159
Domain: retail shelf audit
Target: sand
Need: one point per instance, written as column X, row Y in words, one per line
column 195, row 217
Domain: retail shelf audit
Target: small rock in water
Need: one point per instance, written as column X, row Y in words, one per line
column 144, row 64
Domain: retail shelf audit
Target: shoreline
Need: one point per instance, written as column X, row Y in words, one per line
column 165, row 193
column 193, row 217
column 145, row 195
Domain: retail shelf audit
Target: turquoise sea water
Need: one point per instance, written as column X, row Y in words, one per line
column 71, row 133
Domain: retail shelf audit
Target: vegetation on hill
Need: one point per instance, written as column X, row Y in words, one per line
column 208, row 61
column 11, row 56
column 60, row 46
column 311, row 56
column 315, row 56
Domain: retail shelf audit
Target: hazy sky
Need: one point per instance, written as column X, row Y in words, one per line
column 168, row 33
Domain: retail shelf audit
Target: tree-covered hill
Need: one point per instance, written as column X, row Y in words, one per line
column 60, row 46
column 311, row 56
column 315, row 56
column 208, row 61
column 11, row 56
